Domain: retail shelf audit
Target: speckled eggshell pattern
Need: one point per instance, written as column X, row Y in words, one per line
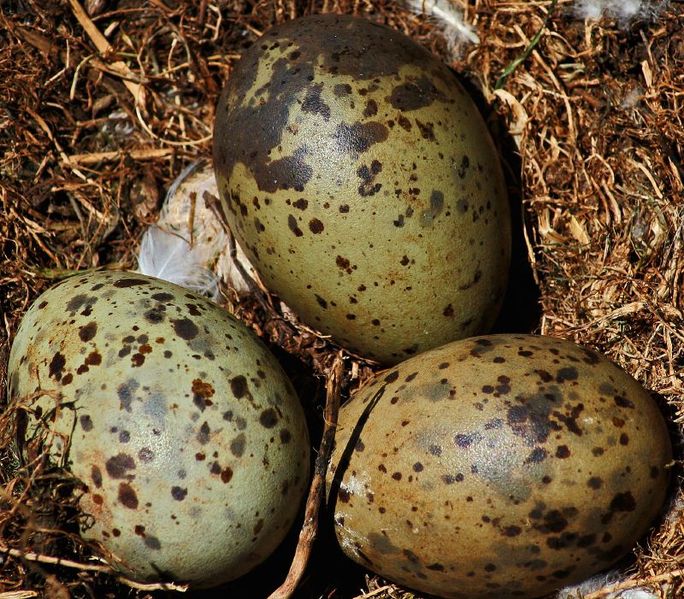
column 361, row 180
column 187, row 433
column 498, row 466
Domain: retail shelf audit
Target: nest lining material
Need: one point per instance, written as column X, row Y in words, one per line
column 100, row 114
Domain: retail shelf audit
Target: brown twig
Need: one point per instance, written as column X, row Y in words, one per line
column 31, row 556
column 103, row 46
column 317, row 489
column 97, row 157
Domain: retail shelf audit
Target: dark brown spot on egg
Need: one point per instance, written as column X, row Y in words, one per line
column 76, row 302
column 294, row 226
column 343, row 263
column 316, row 226
column 185, row 328
column 511, row 531
column 313, row 104
column 359, row 137
column 545, row 376
column 88, row 331
column 623, row 502
column 179, row 493
column 202, row 391
column 568, row 373
column 268, row 418
column 371, row 108
column 162, row 296
column 117, row 466
column 237, row 445
column 595, row 482
column 203, row 433
column 426, row 130
column 367, row 175
column 622, row 402
column 145, row 455
column 463, row 168
column 342, row 89
column 96, row 476
column 226, row 475
column 123, row 283
column 464, row 441
column 562, row 452
column 238, row 385
column 152, row 543
column 127, row 496
column 537, row 455
column 56, row 366
column 285, row 436
column 414, row 95
column 86, row 422
column 94, row 358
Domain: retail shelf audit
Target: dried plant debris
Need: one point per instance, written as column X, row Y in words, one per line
column 102, row 108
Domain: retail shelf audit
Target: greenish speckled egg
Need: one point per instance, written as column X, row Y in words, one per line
column 184, row 428
column 497, row 467
column 361, row 180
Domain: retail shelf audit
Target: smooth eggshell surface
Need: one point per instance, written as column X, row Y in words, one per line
column 187, row 433
column 362, row 182
column 498, row 466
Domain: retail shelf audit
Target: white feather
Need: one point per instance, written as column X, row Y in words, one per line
column 603, row 583
column 448, row 17
column 170, row 257
column 622, row 10
column 189, row 246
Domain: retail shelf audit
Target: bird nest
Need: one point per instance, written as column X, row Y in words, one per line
column 103, row 103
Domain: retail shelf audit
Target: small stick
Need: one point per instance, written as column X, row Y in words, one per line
column 103, row 46
column 140, row 154
column 313, row 503
column 67, row 563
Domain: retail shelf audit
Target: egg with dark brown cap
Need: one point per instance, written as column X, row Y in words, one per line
column 361, row 180
column 498, row 466
column 185, row 431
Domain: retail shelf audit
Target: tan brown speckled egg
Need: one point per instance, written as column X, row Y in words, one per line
column 361, row 180
column 184, row 428
column 498, row 466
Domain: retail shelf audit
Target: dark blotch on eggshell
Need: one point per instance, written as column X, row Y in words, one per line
column 363, row 144
column 520, row 483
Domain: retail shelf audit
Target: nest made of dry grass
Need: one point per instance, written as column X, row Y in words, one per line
column 593, row 118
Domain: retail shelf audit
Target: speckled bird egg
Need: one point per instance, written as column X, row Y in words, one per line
column 498, row 466
column 185, row 430
column 361, row 180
